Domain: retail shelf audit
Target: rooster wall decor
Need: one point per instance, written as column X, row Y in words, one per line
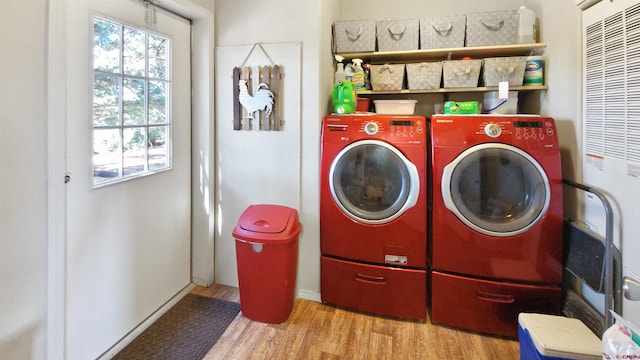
column 260, row 108
column 261, row 100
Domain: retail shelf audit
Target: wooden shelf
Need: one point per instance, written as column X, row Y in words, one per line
column 448, row 54
column 451, row 90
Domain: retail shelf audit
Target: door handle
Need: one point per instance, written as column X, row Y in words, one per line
column 496, row 298
column 631, row 289
column 371, row 279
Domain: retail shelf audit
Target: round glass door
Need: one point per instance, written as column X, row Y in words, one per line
column 496, row 189
column 373, row 182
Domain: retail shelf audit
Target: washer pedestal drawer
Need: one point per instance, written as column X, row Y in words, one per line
column 381, row 290
column 488, row 306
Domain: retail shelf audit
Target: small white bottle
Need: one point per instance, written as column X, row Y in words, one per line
column 340, row 75
column 526, row 25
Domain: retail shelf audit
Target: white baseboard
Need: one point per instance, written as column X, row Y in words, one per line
column 309, row 295
column 127, row 339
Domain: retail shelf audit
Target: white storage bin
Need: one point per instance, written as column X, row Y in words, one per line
column 424, row 76
column 492, row 28
column 395, row 107
column 500, row 69
column 355, row 35
column 492, row 104
column 443, row 32
column 461, row 73
column 387, row 76
column 398, row 35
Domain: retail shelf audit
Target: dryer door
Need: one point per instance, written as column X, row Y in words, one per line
column 496, row 189
column 372, row 182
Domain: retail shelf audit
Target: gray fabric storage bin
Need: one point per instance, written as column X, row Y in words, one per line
column 492, row 28
column 443, row 32
column 387, row 76
column 424, row 76
column 509, row 69
column 355, row 35
column 398, row 35
column 461, row 73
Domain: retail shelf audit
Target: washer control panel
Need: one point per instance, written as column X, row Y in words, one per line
column 393, row 128
column 396, row 128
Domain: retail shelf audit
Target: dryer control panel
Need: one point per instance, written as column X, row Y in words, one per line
column 532, row 130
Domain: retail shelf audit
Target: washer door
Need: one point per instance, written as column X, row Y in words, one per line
column 496, row 189
column 373, row 182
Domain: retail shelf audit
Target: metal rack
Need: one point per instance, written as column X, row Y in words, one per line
column 612, row 259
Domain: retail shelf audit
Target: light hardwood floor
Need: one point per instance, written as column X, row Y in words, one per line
column 318, row 331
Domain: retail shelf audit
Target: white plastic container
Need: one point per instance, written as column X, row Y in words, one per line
column 492, row 104
column 395, row 107
column 526, row 26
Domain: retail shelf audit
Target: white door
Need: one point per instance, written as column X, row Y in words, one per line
column 128, row 245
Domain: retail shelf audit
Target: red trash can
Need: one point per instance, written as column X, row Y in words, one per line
column 267, row 255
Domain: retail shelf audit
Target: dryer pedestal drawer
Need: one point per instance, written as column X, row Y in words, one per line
column 380, row 290
column 488, row 306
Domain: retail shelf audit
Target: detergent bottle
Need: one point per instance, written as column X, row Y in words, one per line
column 344, row 98
column 526, row 25
column 358, row 77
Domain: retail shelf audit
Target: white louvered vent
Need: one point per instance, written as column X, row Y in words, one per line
column 614, row 78
column 633, row 82
column 612, row 86
column 594, row 90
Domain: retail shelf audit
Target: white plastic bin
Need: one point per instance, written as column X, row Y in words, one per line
column 492, row 104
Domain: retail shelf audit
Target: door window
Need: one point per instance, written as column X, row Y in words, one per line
column 373, row 182
column 131, row 118
column 496, row 189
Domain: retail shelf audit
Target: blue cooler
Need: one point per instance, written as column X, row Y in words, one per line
column 551, row 337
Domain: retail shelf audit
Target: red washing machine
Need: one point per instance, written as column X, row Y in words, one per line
column 496, row 221
column 373, row 214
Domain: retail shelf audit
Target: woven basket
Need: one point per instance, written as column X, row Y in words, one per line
column 424, row 76
column 492, row 28
column 355, row 35
column 500, row 69
column 398, row 35
column 387, row 76
column 443, row 32
column 461, row 73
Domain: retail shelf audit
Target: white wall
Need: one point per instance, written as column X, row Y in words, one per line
column 282, row 21
column 22, row 180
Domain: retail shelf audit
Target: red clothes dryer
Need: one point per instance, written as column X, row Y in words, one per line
column 496, row 232
column 373, row 214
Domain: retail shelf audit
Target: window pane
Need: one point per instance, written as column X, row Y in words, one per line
column 157, row 57
column 133, row 95
column 106, row 92
column 157, row 102
column 158, row 150
column 106, row 48
column 107, row 155
column 134, row 52
column 134, row 157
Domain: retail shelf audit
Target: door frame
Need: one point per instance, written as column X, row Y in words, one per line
column 202, row 152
